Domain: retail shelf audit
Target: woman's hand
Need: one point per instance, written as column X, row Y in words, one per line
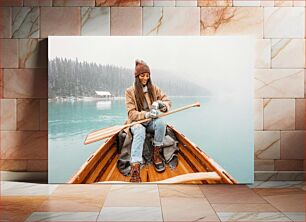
column 153, row 111
column 161, row 106
column 152, row 114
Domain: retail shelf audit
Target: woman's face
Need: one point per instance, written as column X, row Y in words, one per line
column 144, row 77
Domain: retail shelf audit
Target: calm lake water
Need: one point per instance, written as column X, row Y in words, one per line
column 222, row 127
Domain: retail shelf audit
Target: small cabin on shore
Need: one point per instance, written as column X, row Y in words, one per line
column 103, row 94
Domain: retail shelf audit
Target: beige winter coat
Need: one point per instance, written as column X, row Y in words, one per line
column 132, row 109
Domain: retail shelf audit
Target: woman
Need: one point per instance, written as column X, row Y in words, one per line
column 145, row 100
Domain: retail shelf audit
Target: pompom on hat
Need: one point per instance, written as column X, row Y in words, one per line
column 141, row 67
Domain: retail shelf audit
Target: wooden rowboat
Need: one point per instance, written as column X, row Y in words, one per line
column 194, row 166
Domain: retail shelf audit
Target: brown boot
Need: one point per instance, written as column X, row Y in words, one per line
column 135, row 172
column 158, row 162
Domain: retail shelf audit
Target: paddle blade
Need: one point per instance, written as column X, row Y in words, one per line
column 197, row 104
column 102, row 134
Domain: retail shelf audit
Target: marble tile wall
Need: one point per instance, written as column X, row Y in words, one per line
column 28, row 114
column 25, row 22
column 95, row 21
column 37, row 2
column 52, row 21
column 279, row 102
column 126, row 21
column 220, row 21
column 171, row 21
column 5, row 22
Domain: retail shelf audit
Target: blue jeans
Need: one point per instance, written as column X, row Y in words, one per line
column 156, row 126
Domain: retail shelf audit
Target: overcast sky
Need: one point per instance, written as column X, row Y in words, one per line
column 219, row 63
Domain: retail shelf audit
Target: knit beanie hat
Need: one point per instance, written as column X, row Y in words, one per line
column 141, row 67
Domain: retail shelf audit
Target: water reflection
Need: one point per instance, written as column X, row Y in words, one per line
column 213, row 127
column 102, row 105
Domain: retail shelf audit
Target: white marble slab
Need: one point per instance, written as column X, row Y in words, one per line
column 25, row 22
column 279, row 175
column 267, row 145
column 73, row 3
column 135, row 188
column 293, row 145
column 258, row 114
column 9, row 188
column 6, row 22
column 283, row 3
column 33, row 53
column 187, row 209
column 8, row 114
column 179, row 191
column 63, row 216
column 126, row 21
column 95, row 21
column 37, row 3
column 267, row 3
column 263, row 53
column 171, row 21
column 213, row 3
column 246, row 2
column 130, row 214
column 186, row 3
column 300, row 114
column 232, row 21
column 279, row 114
column 305, row 82
column 288, row 53
column 163, row 3
column 252, row 216
column 277, row 184
column 131, row 195
column 295, row 216
column 284, row 22
column 146, row 2
column 279, row 83
column 299, row 3
column 260, row 165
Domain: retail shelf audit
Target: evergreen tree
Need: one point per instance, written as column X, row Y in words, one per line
column 76, row 78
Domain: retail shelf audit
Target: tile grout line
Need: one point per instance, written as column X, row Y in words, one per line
column 261, row 197
column 209, row 202
column 278, row 210
column 104, row 202
column 161, row 209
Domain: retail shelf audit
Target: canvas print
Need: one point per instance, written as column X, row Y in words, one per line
column 150, row 109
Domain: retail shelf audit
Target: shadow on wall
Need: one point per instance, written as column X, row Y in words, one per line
column 24, row 152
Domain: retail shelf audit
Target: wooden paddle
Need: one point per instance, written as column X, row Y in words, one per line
column 183, row 178
column 110, row 131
